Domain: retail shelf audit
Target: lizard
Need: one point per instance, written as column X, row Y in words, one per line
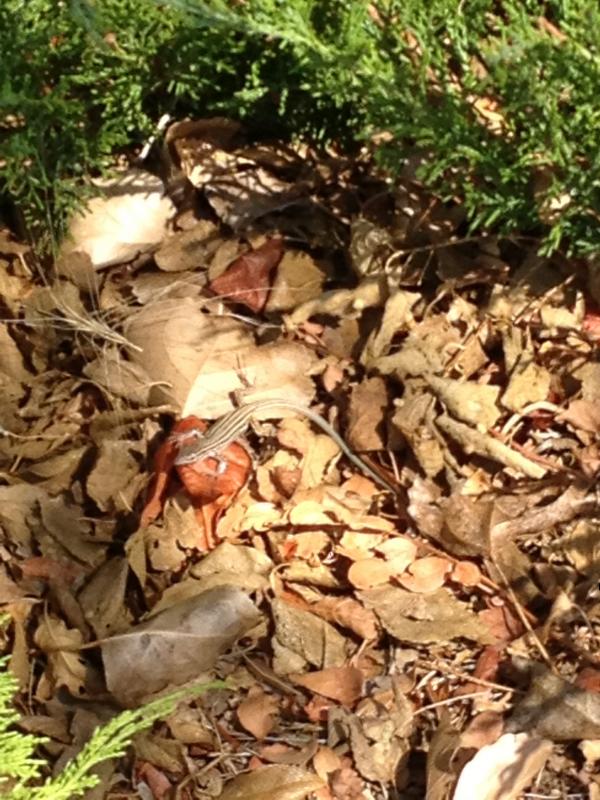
column 233, row 426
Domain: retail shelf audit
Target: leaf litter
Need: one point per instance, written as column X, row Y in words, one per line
column 372, row 646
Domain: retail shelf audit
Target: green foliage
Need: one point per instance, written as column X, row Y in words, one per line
column 87, row 78
column 18, row 764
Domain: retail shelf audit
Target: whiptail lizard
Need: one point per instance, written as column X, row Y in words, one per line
column 233, row 426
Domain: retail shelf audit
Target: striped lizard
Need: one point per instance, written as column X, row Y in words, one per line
column 233, row 426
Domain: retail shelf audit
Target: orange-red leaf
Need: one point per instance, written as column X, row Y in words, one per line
column 247, row 279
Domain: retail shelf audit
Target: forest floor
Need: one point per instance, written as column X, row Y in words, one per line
column 438, row 640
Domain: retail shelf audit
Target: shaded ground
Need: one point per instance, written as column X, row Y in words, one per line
column 373, row 644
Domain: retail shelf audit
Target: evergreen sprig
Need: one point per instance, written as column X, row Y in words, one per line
column 19, row 765
column 498, row 97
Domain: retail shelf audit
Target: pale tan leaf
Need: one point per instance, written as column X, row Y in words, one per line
column 466, row 573
column 277, row 782
column 130, row 218
column 369, row 572
column 501, row 771
column 426, row 574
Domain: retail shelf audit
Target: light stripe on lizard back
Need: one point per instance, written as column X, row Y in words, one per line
column 233, row 425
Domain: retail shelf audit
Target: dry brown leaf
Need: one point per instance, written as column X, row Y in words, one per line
column 368, row 403
column 308, row 512
column 346, row 783
column 318, row 450
column 529, row 383
column 581, row 546
column 190, row 249
column 361, row 542
column 590, row 750
column 19, row 513
column 499, row 624
column 166, row 544
column 279, row 753
column 258, row 712
column 399, row 552
column 466, row 573
column 482, row 730
column 426, row 574
column 102, row 599
column 9, row 591
column 122, row 378
column 280, row 369
column 583, row 415
column 474, row 441
column 369, row 572
column 501, row 771
column 115, row 479
column 248, row 563
column 177, row 644
column 299, row 279
column 326, row 761
column 422, row 618
column 378, row 735
column 308, row 544
column 65, row 666
column 396, row 317
column 19, row 663
column 238, row 190
column 275, row 782
column 66, row 529
column 343, row 684
column 166, row 754
column 309, row 637
column 349, row 613
column 441, row 774
column 471, row 402
column 340, row 303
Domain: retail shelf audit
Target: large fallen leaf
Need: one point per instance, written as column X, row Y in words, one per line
column 177, row 644
column 129, row 219
column 501, row 771
column 176, row 340
column 279, row 782
column 422, row 618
